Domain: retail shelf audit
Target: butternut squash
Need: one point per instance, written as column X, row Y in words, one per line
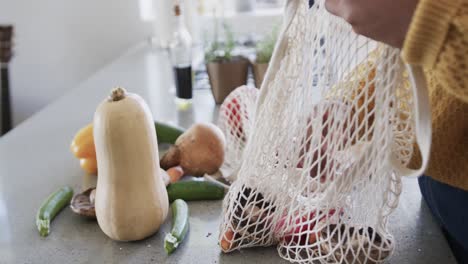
column 131, row 199
column 82, row 145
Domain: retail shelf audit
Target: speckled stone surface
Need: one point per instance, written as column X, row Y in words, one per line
column 35, row 161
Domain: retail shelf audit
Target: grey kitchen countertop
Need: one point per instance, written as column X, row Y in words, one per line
column 35, row 160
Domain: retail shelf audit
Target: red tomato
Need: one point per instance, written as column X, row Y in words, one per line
column 303, row 232
column 233, row 112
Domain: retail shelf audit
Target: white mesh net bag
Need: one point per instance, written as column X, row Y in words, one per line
column 236, row 116
column 321, row 151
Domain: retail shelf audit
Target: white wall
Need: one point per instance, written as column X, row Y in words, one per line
column 61, row 42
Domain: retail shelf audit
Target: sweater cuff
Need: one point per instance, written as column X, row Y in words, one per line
column 428, row 30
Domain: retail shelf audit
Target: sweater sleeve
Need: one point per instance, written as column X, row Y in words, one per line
column 437, row 39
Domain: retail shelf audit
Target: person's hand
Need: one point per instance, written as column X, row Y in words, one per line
column 382, row 20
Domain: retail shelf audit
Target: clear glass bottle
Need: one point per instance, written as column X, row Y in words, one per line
column 181, row 57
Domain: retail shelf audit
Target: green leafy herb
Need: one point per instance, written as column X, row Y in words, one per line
column 221, row 51
column 265, row 47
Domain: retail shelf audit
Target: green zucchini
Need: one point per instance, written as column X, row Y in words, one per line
column 167, row 133
column 180, row 226
column 195, row 191
column 50, row 208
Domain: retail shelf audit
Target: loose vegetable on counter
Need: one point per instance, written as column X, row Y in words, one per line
column 131, row 198
column 175, row 173
column 180, row 226
column 195, row 191
column 92, row 196
column 89, row 165
column 83, row 203
column 50, row 208
column 199, row 151
column 83, row 147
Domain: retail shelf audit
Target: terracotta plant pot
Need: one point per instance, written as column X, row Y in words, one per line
column 259, row 70
column 226, row 76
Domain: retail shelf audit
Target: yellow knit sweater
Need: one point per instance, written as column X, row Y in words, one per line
column 438, row 40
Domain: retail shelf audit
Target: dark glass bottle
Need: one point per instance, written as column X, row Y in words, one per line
column 6, row 33
column 181, row 57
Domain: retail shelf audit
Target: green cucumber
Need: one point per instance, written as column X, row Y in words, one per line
column 195, row 191
column 167, row 133
column 50, row 208
column 180, row 225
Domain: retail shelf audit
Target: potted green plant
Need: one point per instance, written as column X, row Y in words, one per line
column 225, row 71
column 264, row 51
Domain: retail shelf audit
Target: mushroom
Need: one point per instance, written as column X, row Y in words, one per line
column 83, row 203
column 92, row 196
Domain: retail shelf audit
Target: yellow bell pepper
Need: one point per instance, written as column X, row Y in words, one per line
column 82, row 145
column 89, row 165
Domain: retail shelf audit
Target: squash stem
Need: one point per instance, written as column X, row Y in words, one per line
column 117, row 94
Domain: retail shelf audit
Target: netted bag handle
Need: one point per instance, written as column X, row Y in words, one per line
column 423, row 125
column 238, row 111
column 280, row 50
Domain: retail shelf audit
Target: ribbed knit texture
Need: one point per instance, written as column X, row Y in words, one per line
column 438, row 40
